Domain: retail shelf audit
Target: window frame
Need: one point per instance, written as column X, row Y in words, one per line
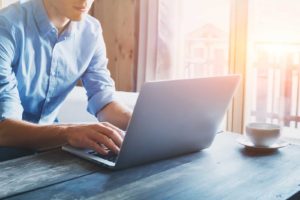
column 238, row 63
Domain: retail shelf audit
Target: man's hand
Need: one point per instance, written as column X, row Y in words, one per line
column 99, row 137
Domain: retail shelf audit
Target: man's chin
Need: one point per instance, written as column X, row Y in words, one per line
column 78, row 17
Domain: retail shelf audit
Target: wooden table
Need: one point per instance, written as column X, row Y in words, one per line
column 224, row 171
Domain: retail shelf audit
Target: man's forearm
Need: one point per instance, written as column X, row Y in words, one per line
column 116, row 114
column 14, row 133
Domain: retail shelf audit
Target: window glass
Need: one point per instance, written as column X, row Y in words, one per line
column 274, row 63
column 206, row 37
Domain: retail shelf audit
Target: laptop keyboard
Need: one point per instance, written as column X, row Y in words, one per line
column 111, row 156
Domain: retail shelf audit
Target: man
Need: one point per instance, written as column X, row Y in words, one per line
column 46, row 46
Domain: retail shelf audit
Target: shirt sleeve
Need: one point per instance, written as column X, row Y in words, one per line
column 10, row 104
column 97, row 80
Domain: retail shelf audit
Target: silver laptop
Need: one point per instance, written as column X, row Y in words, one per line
column 170, row 118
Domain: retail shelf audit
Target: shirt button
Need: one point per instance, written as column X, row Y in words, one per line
column 102, row 87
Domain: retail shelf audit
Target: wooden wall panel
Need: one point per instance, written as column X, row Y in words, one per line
column 119, row 22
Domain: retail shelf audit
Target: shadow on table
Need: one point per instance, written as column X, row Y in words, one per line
column 250, row 152
column 8, row 153
column 119, row 178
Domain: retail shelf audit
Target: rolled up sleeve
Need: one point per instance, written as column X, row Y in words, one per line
column 10, row 110
column 97, row 80
column 10, row 104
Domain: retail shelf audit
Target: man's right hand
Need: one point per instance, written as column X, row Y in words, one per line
column 99, row 137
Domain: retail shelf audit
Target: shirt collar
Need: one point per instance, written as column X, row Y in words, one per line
column 44, row 24
column 70, row 29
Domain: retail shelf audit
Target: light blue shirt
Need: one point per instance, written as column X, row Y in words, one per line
column 38, row 68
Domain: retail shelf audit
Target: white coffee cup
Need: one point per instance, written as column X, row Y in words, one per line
column 263, row 134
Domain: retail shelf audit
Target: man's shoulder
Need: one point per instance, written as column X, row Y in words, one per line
column 92, row 25
column 13, row 15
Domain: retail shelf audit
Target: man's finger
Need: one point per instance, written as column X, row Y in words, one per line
column 96, row 147
column 106, row 141
column 121, row 132
column 110, row 133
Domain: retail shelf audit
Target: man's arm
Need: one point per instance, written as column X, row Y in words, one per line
column 116, row 114
column 100, row 88
column 14, row 133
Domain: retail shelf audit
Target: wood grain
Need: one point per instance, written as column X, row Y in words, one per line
column 119, row 21
column 102, row 180
column 33, row 172
column 224, row 171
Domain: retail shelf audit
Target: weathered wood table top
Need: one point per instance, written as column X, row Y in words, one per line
column 224, row 171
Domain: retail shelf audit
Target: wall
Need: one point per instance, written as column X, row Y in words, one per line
column 119, row 22
column 4, row 3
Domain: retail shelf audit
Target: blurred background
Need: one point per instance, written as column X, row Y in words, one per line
column 169, row 39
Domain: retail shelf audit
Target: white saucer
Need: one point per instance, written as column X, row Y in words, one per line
column 244, row 141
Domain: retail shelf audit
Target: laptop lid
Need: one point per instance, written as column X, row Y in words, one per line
column 176, row 117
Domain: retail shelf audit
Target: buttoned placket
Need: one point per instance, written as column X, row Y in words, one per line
column 52, row 73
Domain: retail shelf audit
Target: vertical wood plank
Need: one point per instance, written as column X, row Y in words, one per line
column 118, row 20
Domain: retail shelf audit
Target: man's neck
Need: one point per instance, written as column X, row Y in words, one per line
column 58, row 20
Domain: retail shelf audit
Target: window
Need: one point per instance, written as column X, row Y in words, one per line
column 273, row 64
column 183, row 39
column 258, row 39
column 197, row 37
column 204, row 39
